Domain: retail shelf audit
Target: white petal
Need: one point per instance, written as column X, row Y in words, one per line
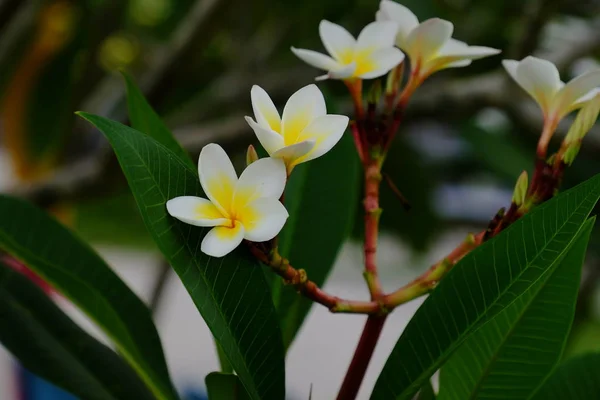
column 316, row 59
column 290, row 154
column 407, row 21
column 540, row 79
column 511, row 67
column 458, row 49
column 265, row 111
column 343, row 72
column 263, row 178
column 382, row 61
column 326, row 131
column 222, row 240
column 577, row 88
column 300, row 110
column 455, row 53
column 263, row 219
column 270, row 140
column 337, row 40
column 217, row 176
column 585, row 98
column 427, row 38
column 195, row 211
column 375, row 36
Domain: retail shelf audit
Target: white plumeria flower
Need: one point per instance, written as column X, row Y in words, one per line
column 245, row 208
column 540, row 78
column 303, row 133
column 369, row 56
column 429, row 45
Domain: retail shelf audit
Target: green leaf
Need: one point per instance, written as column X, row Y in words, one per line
column 52, row 346
column 575, row 379
column 321, row 198
column 224, row 387
column 230, row 292
column 95, row 222
column 511, row 354
column 144, row 119
column 426, row 392
column 482, row 284
column 80, row 274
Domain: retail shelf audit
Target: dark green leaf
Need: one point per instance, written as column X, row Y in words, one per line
column 321, row 198
column 483, row 283
column 95, row 221
column 231, row 292
column 576, row 379
column 224, row 387
column 144, row 119
column 50, row 345
column 80, row 274
column 510, row 355
column 426, row 392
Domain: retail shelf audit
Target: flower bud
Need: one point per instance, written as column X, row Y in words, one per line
column 374, row 93
column 520, row 189
column 251, row 155
column 585, row 120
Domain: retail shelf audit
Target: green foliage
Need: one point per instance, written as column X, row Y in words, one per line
column 231, row 292
column 50, row 345
column 321, row 198
column 511, row 354
column 95, row 221
column 81, row 275
column 575, row 379
column 426, row 392
column 224, row 387
column 481, row 285
column 144, row 119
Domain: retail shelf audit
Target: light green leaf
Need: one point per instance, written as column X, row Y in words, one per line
column 482, row 284
column 144, row 119
column 321, row 198
column 50, row 345
column 510, row 355
column 80, row 274
column 575, row 379
column 230, row 292
column 224, row 387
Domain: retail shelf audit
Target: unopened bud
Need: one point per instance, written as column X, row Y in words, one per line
column 393, row 80
column 251, row 155
column 521, row 189
column 374, row 93
column 571, row 153
column 585, row 120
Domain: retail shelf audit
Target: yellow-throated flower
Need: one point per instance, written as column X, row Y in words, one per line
column 541, row 80
column 369, row 56
column 304, row 132
column 245, row 208
column 429, row 45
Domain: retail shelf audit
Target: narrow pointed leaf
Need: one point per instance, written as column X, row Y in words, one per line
column 510, row 355
column 73, row 268
column 224, row 387
column 321, row 198
column 49, row 344
column 230, row 292
column 482, row 284
column 576, row 379
column 144, row 119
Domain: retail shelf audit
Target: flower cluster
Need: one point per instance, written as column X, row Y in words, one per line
column 250, row 207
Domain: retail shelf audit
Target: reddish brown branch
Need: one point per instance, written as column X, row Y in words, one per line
column 362, row 357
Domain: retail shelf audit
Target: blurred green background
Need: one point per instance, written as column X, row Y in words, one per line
column 468, row 133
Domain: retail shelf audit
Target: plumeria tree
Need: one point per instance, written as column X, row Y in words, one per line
column 499, row 306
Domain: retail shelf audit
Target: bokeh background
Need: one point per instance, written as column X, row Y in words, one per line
column 467, row 135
